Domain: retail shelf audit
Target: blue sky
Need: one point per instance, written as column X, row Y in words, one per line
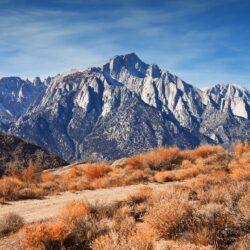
column 203, row 42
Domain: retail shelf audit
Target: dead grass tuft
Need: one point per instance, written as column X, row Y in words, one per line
column 11, row 223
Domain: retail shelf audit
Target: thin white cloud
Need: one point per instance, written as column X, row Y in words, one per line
column 47, row 42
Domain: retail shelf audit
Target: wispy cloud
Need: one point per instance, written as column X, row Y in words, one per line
column 45, row 41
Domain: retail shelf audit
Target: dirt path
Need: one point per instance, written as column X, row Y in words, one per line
column 49, row 207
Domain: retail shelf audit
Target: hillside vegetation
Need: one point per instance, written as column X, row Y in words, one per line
column 17, row 153
column 206, row 207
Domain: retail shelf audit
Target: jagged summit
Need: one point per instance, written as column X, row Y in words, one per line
column 128, row 59
column 229, row 88
column 129, row 63
column 231, row 97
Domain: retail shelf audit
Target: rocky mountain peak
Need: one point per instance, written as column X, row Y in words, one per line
column 229, row 89
column 37, row 81
column 126, row 64
column 231, row 97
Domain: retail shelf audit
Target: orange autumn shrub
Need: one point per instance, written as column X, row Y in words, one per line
column 75, row 210
column 46, row 177
column 241, row 147
column 169, row 219
column 137, row 161
column 76, row 185
column 162, row 158
column 164, row 176
column 101, row 183
column 29, row 174
column 176, row 175
column 74, row 172
column 240, row 174
column 158, row 158
column 206, row 150
column 139, row 240
column 183, row 174
column 96, row 170
column 45, row 235
column 141, row 195
column 10, row 188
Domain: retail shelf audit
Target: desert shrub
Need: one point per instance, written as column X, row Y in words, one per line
column 103, row 182
column 243, row 205
column 96, row 170
column 205, row 182
column 29, row 174
column 138, row 202
column 142, row 195
column 77, row 184
column 162, row 158
column 11, row 223
column 175, row 175
column 14, row 189
column 217, row 225
column 132, row 176
column 160, row 165
column 76, row 227
column 46, row 235
column 183, row 174
column 10, row 188
column 137, row 161
column 169, row 219
column 240, row 174
column 210, row 210
column 108, row 211
column 85, row 229
column 74, row 210
column 31, row 192
column 46, row 177
column 206, row 150
column 241, row 147
column 156, row 159
column 139, row 240
column 187, row 163
column 164, row 176
column 173, row 192
column 239, row 168
column 73, row 173
column 228, row 195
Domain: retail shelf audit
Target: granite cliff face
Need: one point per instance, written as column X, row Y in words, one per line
column 127, row 106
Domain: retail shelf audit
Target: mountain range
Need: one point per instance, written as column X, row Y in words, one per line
column 120, row 108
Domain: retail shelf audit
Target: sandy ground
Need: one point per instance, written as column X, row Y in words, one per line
column 50, row 206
